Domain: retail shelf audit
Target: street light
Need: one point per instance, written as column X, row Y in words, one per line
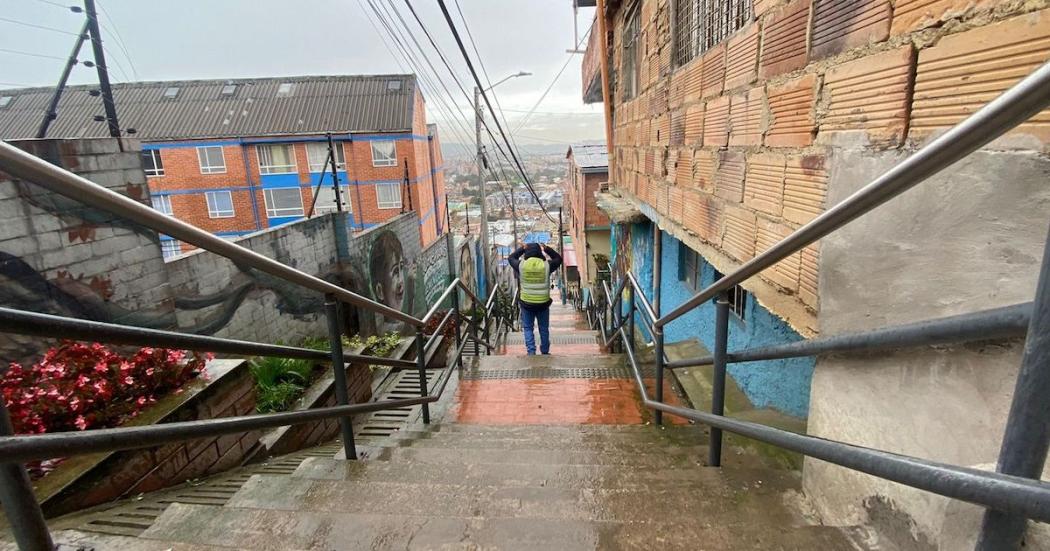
column 481, row 178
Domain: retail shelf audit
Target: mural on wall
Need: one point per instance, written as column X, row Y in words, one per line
column 466, row 253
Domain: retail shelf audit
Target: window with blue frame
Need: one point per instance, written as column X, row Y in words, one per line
column 688, row 266
column 282, row 202
column 737, row 296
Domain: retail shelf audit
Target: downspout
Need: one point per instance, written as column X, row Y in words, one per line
column 606, row 93
column 251, row 185
column 433, row 185
column 657, row 261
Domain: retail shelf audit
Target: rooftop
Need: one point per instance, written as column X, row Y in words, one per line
column 589, row 156
column 188, row 109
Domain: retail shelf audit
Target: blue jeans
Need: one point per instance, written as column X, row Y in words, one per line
column 541, row 318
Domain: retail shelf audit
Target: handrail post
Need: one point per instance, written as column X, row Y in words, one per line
column 19, row 502
column 632, row 307
column 718, row 393
column 458, row 361
column 485, row 330
column 421, row 365
column 1027, row 435
column 342, row 394
column 474, row 327
column 658, row 349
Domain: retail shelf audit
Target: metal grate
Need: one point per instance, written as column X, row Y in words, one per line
column 622, row 372
column 572, row 338
column 700, row 25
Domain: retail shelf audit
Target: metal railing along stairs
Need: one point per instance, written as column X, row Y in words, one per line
column 16, row 494
column 1012, row 494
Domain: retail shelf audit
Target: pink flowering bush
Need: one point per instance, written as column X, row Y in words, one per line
column 82, row 386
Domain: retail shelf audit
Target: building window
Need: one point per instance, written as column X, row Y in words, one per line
column 211, row 159
column 317, row 153
column 283, row 202
column 326, row 199
column 688, row 266
column 285, row 89
column 388, row 195
column 6, row 100
column 700, row 25
column 171, row 92
column 277, row 158
column 384, row 153
column 228, row 90
column 152, row 162
column 170, row 247
column 220, row 204
column 737, row 296
column 631, row 51
column 161, row 203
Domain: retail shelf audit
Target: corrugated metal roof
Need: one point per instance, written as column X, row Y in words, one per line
column 590, row 156
column 317, row 104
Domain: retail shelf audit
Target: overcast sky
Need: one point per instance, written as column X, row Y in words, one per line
column 195, row 39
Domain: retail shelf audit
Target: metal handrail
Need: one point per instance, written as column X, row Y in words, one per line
column 441, row 299
column 647, row 306
column 437, row 330
column 48, row 326
column 32, row 447
column 1012, row 494
column 23, row 165
column 1013, row 107
column 996, row 323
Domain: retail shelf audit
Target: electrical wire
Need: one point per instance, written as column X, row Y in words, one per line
column 112, row 29
column 484, row 96
column 525, row 119
column 41, row 27
column 31, row 54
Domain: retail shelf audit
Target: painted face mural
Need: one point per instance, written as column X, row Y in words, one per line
column 386, row 269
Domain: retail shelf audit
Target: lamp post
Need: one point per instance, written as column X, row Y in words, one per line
column 484, row 230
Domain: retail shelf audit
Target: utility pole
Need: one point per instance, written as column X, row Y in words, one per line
column 335, row 175
column 484, row 230
column 52, row 106
column 513, row 217
column 100, row 66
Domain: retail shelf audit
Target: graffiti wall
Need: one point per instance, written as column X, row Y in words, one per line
column 58, row 256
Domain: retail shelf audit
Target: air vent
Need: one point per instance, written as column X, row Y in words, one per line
column 285, row 89
column 171, row 92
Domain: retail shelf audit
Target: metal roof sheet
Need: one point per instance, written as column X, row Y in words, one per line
column 316, row 104
column 589, row 156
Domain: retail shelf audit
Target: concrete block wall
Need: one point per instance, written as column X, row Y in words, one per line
column 747, row 132
column 216, row 296
column 59, row 256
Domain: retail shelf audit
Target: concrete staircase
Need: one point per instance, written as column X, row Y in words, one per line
column 525, row 452
column 495, row 487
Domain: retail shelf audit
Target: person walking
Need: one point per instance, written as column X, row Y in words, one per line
column 533, row 265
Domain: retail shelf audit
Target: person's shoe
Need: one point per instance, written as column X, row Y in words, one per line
column 546, row 353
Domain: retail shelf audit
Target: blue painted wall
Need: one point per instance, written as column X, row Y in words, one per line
column 779, row 384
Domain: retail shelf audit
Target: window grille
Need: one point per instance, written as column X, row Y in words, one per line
column 700, row 25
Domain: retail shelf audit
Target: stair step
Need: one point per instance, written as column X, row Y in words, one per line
column 553, row 476
column 549, row 457
column 292, row 494
column 568, row 445
column 553, row 440
column 257, row 529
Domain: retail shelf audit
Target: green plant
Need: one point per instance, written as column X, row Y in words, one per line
column 375, row 345
column 279, row 382
column 317, row 343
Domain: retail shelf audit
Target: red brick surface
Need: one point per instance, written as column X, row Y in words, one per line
column 839, row 25
column 869, row 95
column 784, row 39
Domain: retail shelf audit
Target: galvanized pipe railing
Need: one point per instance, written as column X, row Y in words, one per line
column 1013, row 107
column 1027, row 439
column 20, row 164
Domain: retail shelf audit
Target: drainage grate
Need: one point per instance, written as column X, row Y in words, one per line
column 555, row 373
column 556, row 338
column 398, row 385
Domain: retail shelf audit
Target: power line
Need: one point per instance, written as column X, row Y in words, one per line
column 525, row 119
column 63, row 6
column 35, row 26
column 119, row 39
column 484, row 96
column 31, row 54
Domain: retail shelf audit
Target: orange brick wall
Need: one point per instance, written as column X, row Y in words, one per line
column 737, row 145
column 182, row 176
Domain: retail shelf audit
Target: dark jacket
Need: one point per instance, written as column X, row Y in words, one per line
column 534, row 250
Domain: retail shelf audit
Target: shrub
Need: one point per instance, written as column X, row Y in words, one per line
column 80, row 386
column 279, row 382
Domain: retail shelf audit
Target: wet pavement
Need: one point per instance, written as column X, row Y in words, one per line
column 542, row 452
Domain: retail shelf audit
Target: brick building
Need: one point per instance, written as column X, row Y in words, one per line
column 237, row 156
column 735, row 122
column 589, row 227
